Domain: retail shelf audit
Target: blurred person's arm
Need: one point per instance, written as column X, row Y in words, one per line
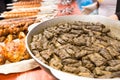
column 90, row 8
column 115, row 17
column 118, row 9
column 118, row 15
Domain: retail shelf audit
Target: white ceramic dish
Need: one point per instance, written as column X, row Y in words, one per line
column 114, row 25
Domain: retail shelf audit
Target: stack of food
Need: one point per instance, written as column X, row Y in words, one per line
column 13, row 50
column 12, row 37
column 29, row 8
column 17, row 14
column 14, row 28
column 20, row 9
column 81, row 48
column 27, row 4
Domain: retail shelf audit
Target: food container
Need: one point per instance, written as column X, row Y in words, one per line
column 114, row 25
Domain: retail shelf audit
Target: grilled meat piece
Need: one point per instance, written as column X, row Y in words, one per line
column 97, row 59
column 2, row 55
column 16, row 51
column 113, row 62
column 15, row 26
column 104, row 52
column 112, row 51
column 55, row 62
column 113, row 68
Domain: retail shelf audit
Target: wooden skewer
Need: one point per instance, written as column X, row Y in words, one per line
column 1, row 18
column 9, row 7
column 10, row 4
column 41, row 8
column 43, row 3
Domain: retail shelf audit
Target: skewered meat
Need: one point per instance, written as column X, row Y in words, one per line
column 17, row 14
column 81, row 48
column 20, row 3
column 15, row 26
column 26, row 3
column 29, row 0
column 27, row 6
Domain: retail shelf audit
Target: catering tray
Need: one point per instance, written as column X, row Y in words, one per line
column 113, row 25
column 20, row 66
column 16, row 67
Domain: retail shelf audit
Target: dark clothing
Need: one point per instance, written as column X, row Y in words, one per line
column 3, row 5
column 118, row 9
column 117, row 12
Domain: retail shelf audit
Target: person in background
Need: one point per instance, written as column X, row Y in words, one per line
column 3, row 4
column 82, row 3
column 109, row 8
